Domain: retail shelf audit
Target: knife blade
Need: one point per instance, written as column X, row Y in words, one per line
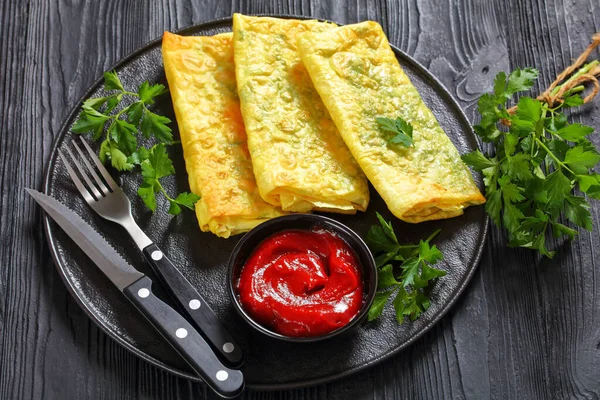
column 94, row 246
column 137, row 287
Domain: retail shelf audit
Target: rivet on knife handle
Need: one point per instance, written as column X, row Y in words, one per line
column 185, row 339
column 194, row 305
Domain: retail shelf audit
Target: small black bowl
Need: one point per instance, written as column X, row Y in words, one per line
column 252, row 239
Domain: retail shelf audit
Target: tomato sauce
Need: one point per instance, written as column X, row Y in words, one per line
column 302, row 283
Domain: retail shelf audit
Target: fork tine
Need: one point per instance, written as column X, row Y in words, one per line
column 91, row 186
column 101, row 168
column 80, row 186
column 103, row 188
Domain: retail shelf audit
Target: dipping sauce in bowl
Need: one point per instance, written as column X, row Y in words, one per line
column 302, row 283
column 302, row 278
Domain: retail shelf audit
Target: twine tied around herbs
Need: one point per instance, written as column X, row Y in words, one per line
column 557, row 91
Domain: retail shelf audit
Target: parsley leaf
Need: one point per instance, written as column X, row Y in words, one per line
column 95, row 103
column 378, row 303
column 138, row 156
column 183, row 199
column 410, row 268
column 518, row 167
column 557, row 186
column 477, row 160
column 560, row 230
column 403, row 130
column 580, row 159
column 408, row 274
column 160, row 161
column 148, row 92
column 520, row 80
column 118, row 159
column 499, row 86
column 529, row 110
column 429, row 254
column 134, row 112
column 123, row 133
column 574, row 132
column 577, row 211
column 385, row 277
column 573, row 101
column 590, row 184
column 154, row 124
column 90, row 123
column 493, row 205
column 146, row 192
column 112, row 81
column 187, row 199
column 174, row 208
column 382, row 238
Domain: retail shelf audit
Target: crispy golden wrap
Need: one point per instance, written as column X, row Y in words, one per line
column 201, row 77
column 359, row 79
column 300, row 161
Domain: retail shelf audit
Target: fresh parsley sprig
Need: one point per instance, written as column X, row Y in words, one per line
column 402, row 130
column 125, row 124
column 122, row 124
column 156, row 164
column 404, row 271
column 537, row 162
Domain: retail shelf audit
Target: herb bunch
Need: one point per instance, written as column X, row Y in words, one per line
column 122, row 123
column 405, row 272
column 538, row 160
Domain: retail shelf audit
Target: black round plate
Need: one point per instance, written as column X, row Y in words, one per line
column 202, row 257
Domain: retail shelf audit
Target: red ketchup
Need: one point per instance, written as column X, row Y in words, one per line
column 302, row 283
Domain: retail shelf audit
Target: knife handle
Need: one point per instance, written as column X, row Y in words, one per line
column 195, row 306
column 185, row 339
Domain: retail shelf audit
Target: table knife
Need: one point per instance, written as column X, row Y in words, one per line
column 112, row 204
column 137, row 287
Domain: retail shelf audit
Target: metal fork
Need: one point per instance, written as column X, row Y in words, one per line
column 110, row 202
column 107, row 199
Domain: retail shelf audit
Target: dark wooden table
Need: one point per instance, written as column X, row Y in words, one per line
column 524, row 329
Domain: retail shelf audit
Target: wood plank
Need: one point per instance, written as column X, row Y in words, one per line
column 525, row 328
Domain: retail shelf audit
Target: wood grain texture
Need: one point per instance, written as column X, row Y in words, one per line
column 526, row 328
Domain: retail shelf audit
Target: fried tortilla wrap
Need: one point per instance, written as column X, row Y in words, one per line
column 300, row 161
column 359, row 79
column 201, row 76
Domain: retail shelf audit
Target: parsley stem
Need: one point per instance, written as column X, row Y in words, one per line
column 558, row 162
column 576, row 89
column 407, row 246
column 543, row 133
column 162, row 189
column 583, row 70
column 117, row 115
column 434, row 234
column 113, row 121
column 416, row 247
column 411, row 246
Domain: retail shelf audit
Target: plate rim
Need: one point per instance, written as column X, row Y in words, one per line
column 51, row 240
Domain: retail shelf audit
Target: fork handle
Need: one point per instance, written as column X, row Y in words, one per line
column 195, row 307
